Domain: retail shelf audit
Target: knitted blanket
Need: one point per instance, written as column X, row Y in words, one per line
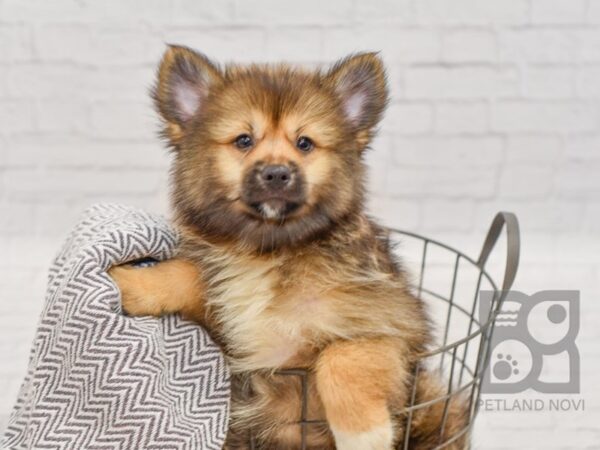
column 98, row 379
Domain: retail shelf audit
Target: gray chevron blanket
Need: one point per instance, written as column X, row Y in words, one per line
column 98, row 379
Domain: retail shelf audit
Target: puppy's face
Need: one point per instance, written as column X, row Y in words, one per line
column 267, row 156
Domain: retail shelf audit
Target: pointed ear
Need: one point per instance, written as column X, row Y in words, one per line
column 360, row 82
column 185, row 78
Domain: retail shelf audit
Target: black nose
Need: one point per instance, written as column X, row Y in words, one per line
column 276, row 177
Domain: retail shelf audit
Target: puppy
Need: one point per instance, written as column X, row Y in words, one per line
column 278, row 260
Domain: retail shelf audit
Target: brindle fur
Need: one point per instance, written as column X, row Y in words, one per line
column 318, row 289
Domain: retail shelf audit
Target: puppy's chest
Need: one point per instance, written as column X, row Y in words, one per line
column 268, row 318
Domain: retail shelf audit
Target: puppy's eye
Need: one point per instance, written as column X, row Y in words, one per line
column 244, row 141
column 304, row 144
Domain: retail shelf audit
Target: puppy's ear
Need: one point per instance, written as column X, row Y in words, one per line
column 185, row 79
column 360, row 82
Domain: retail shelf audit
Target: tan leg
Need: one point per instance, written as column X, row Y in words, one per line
column 167, row 287
column 357, row 380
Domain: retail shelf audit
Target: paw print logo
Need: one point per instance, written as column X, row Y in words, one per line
column 511, row 362
column 505, row 367
column 534, row 334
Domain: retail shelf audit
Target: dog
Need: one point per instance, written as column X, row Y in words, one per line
column 278, row 260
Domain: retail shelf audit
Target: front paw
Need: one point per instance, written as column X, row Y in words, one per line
column 379, row 437
column 136, row 297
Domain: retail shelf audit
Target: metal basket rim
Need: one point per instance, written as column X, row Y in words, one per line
column 482, row 326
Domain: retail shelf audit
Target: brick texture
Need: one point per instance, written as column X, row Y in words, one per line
column 495, row 106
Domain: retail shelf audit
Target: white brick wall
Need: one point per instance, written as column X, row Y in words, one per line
column 495, row 105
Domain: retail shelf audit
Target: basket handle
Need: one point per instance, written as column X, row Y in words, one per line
column 513, row 246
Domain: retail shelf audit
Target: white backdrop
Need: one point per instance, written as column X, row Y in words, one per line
column 495, row 105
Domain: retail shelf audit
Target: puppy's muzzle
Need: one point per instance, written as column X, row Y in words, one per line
column 274, row 191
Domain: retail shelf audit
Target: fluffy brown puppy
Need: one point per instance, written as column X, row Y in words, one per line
column 277, row 258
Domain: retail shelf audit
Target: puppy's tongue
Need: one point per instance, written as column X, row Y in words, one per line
column 273, row 209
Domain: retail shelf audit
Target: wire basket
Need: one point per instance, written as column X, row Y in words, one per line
column 462, row 353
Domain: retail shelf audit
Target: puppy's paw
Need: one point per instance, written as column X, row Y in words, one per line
column 136, row 290
column 380, row 437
